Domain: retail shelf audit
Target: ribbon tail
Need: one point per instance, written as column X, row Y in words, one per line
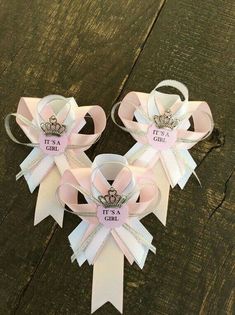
column 171, row 166
column 135, row 152
column 158, row 173
column 84, row 159
column 47, row 204
column 137, row 240
column 78, row 160
column 190, row 166
column 108, row 275
column 41, row 165
column 164, row 186
column 75, row 238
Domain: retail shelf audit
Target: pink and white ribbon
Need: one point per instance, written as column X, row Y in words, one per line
column 53, row 125
column 160, row 124
column 110, row 227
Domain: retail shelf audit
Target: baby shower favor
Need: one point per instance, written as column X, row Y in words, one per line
column 53, row 125
column 165, row 128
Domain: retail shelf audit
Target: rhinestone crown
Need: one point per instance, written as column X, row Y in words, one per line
column 165, row 120
column 112, row 199
column 53, row 128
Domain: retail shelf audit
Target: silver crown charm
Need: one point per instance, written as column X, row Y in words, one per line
column 165, row 121
column 53, row 128
column 112, row 199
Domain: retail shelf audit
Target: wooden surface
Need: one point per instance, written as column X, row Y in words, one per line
column 97, row 51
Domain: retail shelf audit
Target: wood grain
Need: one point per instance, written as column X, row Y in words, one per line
column 191, row 41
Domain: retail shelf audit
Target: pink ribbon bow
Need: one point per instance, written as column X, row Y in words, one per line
column 52, row 124
column 160, row 124
column 110, row 226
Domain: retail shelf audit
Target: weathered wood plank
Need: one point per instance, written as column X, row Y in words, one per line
column 192, row 271
column 83, row 49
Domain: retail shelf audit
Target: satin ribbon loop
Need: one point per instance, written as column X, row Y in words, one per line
column 149, row 196
column 84, row 141
column 133, row 128
column 73, row 189
column 53, row 105
column 26, row 122
column 203, row 126
column 175, row 84
column 104, row 171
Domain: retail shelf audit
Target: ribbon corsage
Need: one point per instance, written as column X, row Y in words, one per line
column 165, row 128
column 53, row 125
column 117, row 196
